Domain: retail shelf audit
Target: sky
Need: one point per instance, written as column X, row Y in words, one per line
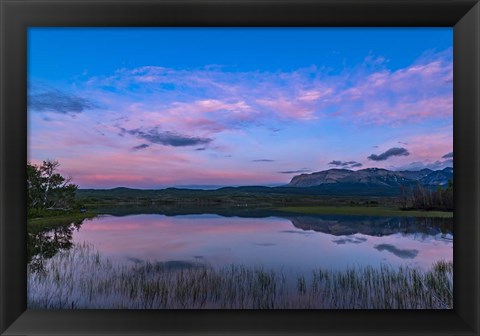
column 162, row 107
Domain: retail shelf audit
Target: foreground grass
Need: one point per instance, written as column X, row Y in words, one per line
column 81, row 278
column 364, row 211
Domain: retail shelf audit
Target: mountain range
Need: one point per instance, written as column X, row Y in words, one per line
column 331, row 182
column 374, row 176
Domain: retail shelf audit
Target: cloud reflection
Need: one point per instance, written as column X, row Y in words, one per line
column 403, row 254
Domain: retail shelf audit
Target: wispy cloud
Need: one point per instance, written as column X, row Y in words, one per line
column 214, row 99
column 298, row 171
column 346, row 164
column 170, row 117
column 395, row 151
column 427, row 150
column 263, row 160
column 386, row 97
column 290, row 109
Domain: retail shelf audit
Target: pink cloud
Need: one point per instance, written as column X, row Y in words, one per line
column 430, row 147
column 407, row 95
column 288, row 108
column 419, row 91
column 426, row 150
column 314, row 95
column 233, row 109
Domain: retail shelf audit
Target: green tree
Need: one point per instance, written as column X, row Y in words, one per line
column 47, row 189
column 34, row 190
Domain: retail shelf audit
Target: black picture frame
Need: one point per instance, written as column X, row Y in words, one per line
column 18, row 15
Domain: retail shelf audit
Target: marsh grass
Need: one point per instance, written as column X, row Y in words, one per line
column 80, row 278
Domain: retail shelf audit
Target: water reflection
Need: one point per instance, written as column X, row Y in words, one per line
column 372, row 226
column 401, row 253
column 352, row 240
column 45, row 244
column 295, row 244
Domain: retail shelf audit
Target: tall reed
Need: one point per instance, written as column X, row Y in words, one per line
column 81, row 278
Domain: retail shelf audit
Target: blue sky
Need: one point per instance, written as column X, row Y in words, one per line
column 237, row 106
column 66, row 53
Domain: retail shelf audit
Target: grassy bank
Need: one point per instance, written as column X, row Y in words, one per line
column 364, row 211
column 81, row 278
column 35, row 225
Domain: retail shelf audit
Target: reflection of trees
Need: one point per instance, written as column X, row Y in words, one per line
column 372, row 226
column 45, row 244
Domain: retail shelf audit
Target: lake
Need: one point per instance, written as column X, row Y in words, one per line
column 289, row 245
column 294, row 244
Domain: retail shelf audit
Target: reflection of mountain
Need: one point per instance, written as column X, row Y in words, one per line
column 337, row 225
column 349, row 240
column 373, row 226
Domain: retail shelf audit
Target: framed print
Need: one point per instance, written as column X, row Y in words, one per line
column 240, row 167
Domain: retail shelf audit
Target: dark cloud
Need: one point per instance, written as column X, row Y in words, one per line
column 59, row 102
column 346, row 164
column 142, row 146
column 167, row 138
column 303, row 170
column 403, row 254
column 263, row 160
column 395, row 151
column 200, row 149
column 448, row 155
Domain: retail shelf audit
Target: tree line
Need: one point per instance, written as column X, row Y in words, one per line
column 47, row 189
column 421, row 198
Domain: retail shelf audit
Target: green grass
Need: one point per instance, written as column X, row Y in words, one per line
column 46, row 223
column 364, row 211
column 80, row 278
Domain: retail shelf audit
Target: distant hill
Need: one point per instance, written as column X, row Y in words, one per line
column 372, row 177
column 332, row 182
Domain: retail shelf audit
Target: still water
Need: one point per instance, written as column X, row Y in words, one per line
column 294, row 244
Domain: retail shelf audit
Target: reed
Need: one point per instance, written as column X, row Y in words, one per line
column 81, row 278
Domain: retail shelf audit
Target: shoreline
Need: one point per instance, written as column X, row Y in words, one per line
column 363, row 211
